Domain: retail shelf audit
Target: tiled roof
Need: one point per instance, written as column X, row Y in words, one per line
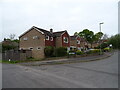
column 58, row 34
column 73, row 37
column 45, row 31
column 54, row 34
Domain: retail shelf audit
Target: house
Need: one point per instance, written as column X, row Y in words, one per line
column 36, row 39
column 62, row 39
column 75, row 42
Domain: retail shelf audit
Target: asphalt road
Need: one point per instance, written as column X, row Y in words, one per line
column 95, row 74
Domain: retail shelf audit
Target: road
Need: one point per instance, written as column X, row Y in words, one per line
column 95, row 74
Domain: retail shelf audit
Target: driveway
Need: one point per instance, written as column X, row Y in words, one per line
column 95, row 74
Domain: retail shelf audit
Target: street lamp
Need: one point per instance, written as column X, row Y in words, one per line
column 100, row 37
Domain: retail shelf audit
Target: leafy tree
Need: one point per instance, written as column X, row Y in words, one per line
column 7, row 47
column 88, row 35
column 75, row 34
column 105, row 36
column 12, row 36
column 115, row 41
column 98, row 35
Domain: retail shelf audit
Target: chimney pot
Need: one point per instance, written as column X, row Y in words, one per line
column 51, row 30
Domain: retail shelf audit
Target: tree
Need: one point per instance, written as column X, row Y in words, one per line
column 98, row 35
column 115, row 41
column 75, row 34
column 88, row 35
column 105, row 36
column 12, row 36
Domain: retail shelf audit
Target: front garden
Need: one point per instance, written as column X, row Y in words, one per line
column 51, row 52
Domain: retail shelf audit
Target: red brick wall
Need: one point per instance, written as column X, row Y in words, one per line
column 49, row 42
column 65, row 44
column 78, row 38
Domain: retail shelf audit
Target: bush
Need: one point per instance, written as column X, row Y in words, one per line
column 106, row 49
column 78, row 52
column 102, row 46
column 48, row 51
column 93, row 51
column 61, row 51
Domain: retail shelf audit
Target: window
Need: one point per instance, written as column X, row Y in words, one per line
column 65, row 39
column 51, row 38
column 78, row 41
column 25, row 38
column 31, row 48
column 38, row 48
column 35, row 37
column 47, row 37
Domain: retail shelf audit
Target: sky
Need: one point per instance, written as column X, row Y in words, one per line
column 17, row 16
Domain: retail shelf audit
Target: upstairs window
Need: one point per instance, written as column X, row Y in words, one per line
column 25, row 38
column 65, row 39
column 78, row 41
column 47, row 37
column 35, row 37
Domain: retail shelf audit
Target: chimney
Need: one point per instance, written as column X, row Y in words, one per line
column 51, row 30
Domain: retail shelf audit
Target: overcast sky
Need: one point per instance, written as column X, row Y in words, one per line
column 71, row 15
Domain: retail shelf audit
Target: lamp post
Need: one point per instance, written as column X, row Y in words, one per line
column 100, row 37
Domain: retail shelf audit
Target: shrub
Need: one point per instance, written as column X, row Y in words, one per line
column 61, row 51
column 93, row 51
column 48, row 51
column 78, row 52
column 106, row 49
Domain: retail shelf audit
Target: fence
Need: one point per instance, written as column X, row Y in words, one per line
column 16, row 55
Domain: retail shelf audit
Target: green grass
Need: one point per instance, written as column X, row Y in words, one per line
column 9, row 62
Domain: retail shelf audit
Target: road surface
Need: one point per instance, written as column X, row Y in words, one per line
column 95, row 74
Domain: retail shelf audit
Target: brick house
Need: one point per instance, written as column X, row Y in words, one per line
column 75, row 42
column 62, row 39
column 36, row 39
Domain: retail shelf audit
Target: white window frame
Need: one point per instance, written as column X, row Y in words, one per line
column 35, row 37
column 51, row 38
column 30, row 48
column 64, row 39
column 38, row 48
column 25, row 38
column 47, row 37
column 78, row 41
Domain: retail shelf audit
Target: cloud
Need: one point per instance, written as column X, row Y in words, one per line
column 73, row 15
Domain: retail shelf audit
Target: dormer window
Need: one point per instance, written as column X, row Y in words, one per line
column 65, row 39
column 25, row 38
column 78, row 41
column 47, row 38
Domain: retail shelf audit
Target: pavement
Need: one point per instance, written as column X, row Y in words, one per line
column 96, row 74
column 69, row 60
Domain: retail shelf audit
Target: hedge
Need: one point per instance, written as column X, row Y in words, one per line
column 78, row 52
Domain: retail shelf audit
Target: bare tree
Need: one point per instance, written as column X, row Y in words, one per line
column 12, row 36
column 105, row 36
